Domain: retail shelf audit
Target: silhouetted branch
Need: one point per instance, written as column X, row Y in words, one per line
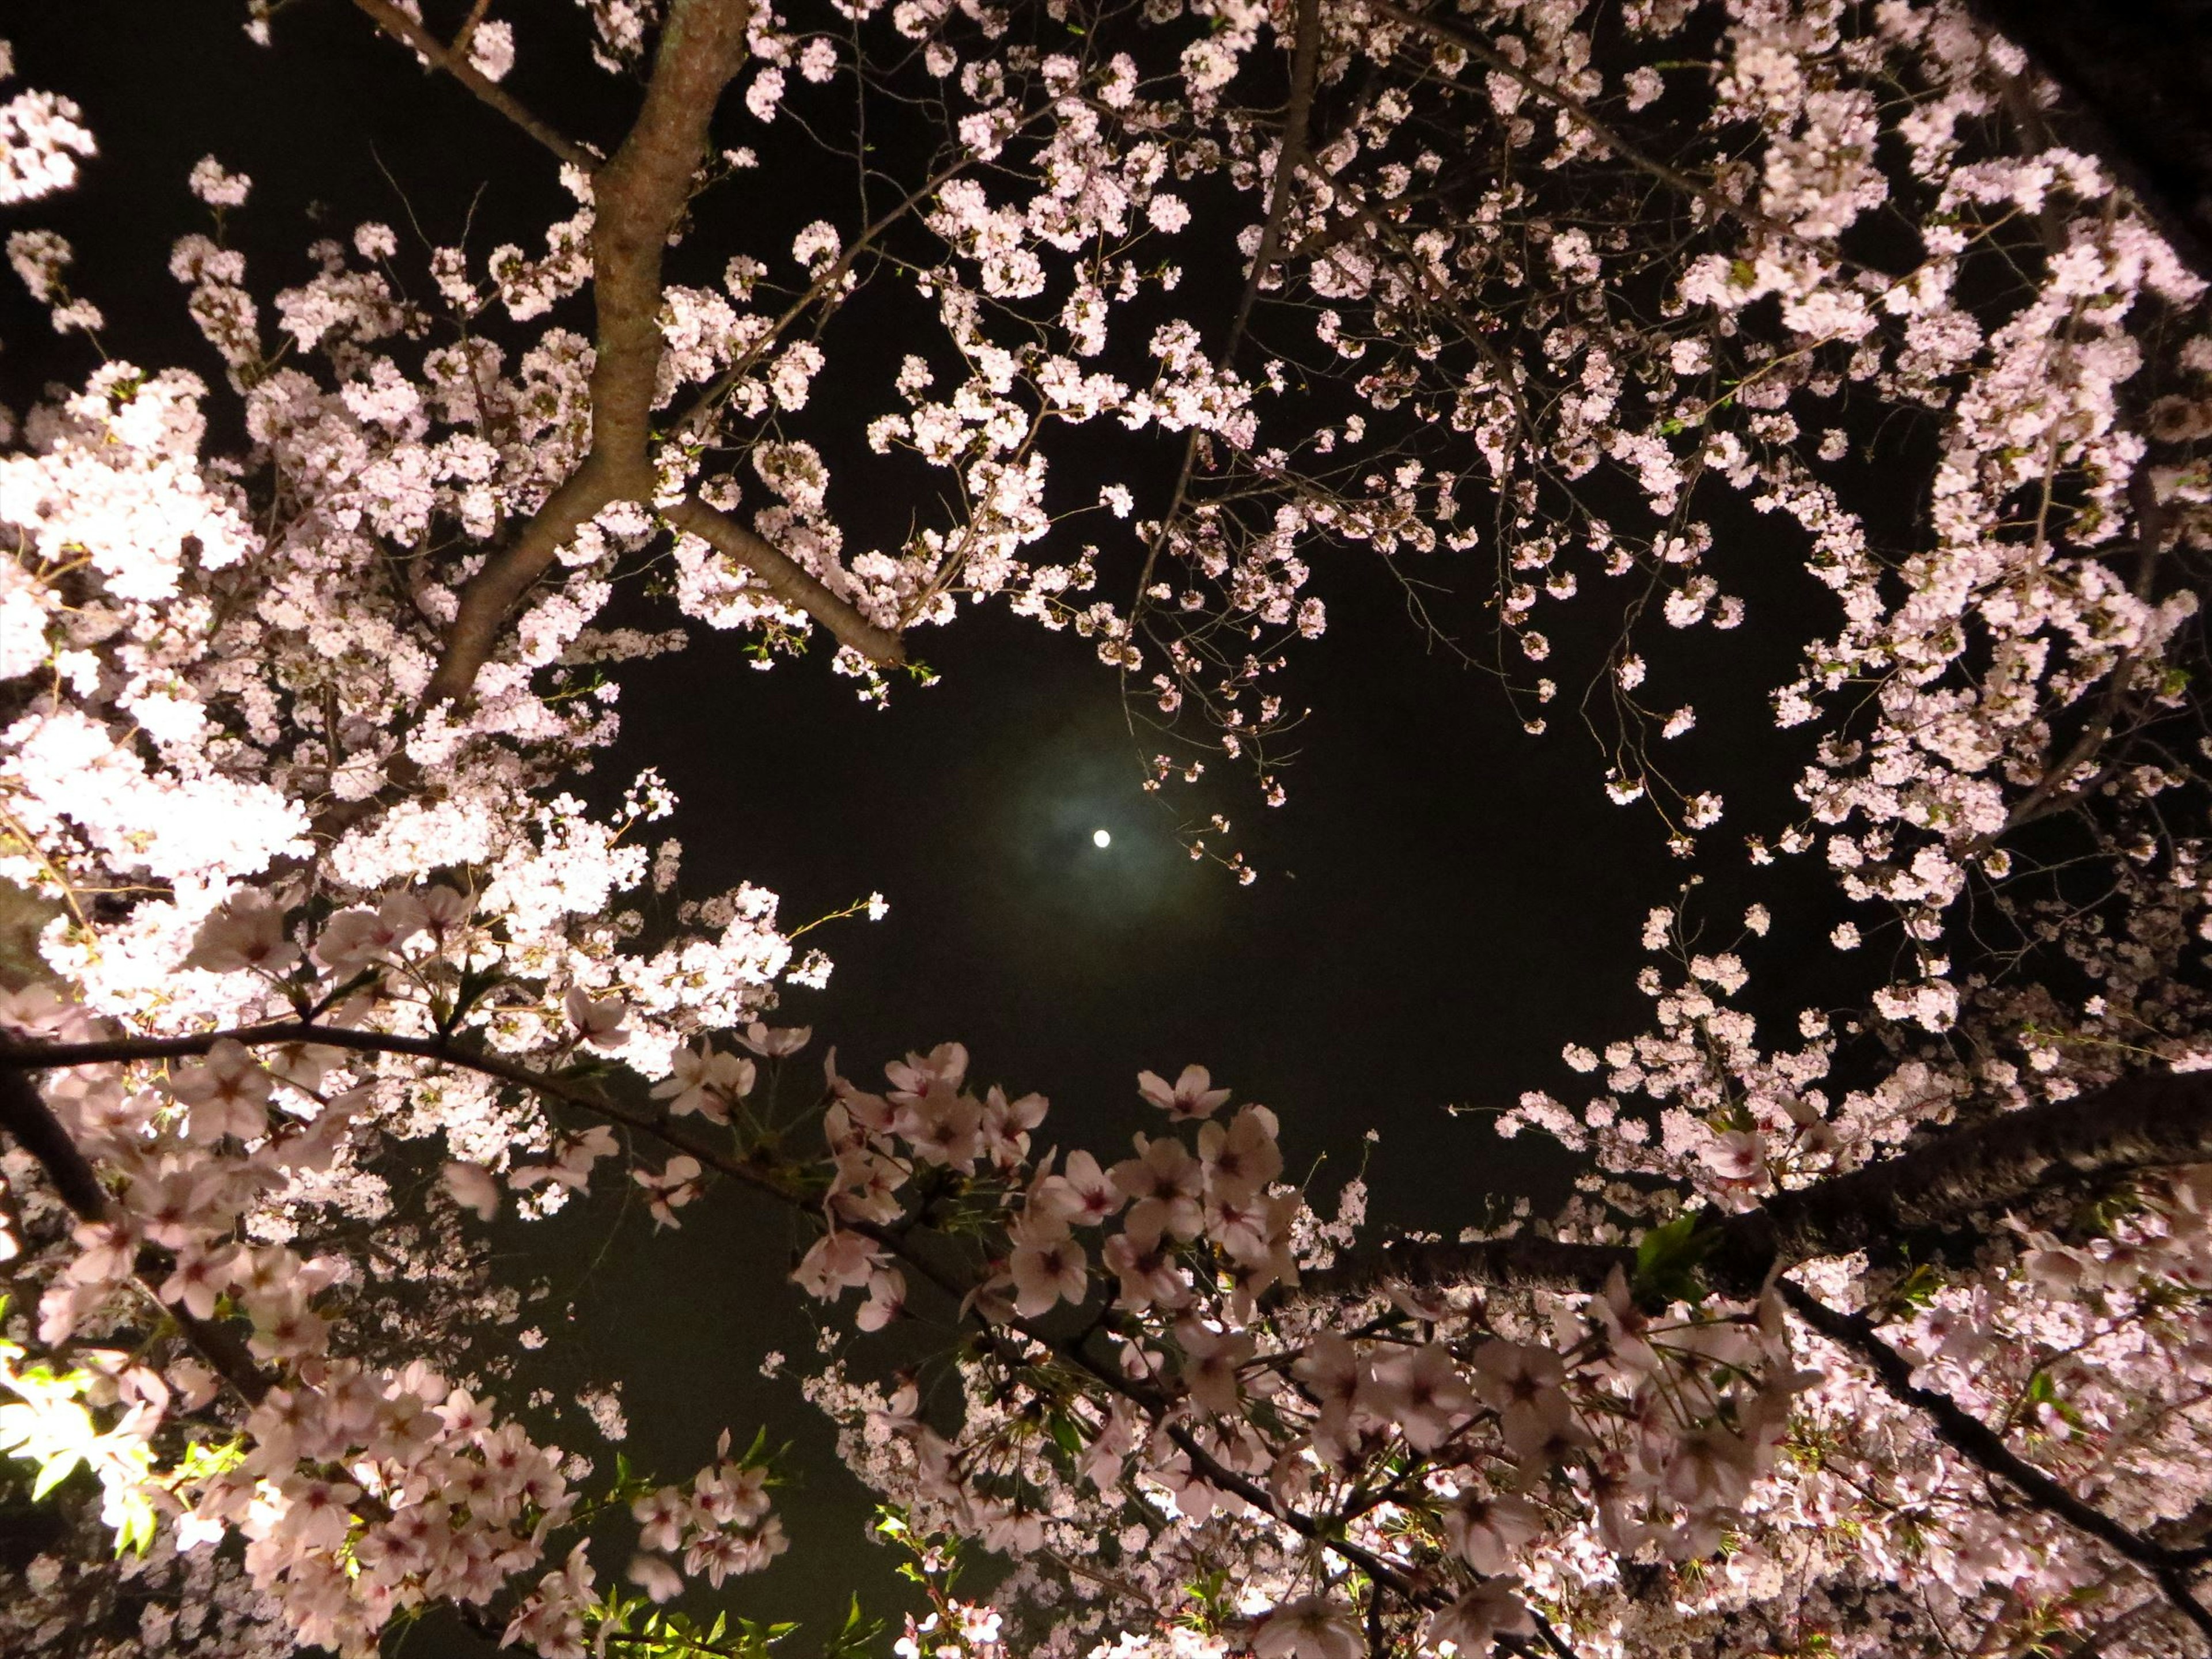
column 454, row 61
column 33, row 1125
column 2142, row 1123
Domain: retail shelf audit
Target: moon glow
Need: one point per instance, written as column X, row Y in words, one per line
column 1102, row 838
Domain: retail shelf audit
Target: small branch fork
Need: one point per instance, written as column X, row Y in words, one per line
column 454, row 61
column 638, row 195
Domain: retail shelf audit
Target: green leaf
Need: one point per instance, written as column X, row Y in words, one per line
column 55, row 1470
column 1064, row 1435
column 1667, row 1258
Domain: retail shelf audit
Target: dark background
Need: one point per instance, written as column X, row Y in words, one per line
column 1443, row 903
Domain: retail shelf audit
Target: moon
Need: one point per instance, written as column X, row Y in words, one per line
column 1102, row 838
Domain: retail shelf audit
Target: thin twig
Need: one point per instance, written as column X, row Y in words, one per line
column 1715, row 202
column 1290, row 157
column 455, row 62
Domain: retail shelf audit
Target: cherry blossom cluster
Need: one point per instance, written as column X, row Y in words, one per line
column 1430, row 1459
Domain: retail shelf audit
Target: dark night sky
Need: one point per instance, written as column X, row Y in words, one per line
column 1443, row 903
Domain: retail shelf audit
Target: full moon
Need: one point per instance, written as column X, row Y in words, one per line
column 1102, row 838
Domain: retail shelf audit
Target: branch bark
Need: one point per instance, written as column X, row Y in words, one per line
column 2149, row 1121
column 785, row 578
column 637, row 198
column 2143, row 1123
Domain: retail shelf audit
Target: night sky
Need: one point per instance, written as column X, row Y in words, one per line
column 1443, row 903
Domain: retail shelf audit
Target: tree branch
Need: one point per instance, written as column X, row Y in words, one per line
column 1522, row 1262
column 1297, row 120
column 788, row 579
column 2145, row 1123
column 1965, row 1433
column 637, row 198
column 455, row 62
column 1598, row 128
column 440, row 1050
column 508, row 573
column 1297, row 125
column 692, row 423
column 2050, row 793
column 2150, row 1122
column 33, row 1125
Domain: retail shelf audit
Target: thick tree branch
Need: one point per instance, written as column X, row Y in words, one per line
column 2149, row 1121
column 637, row 198
column 507, row 574
column 2143, row 1123
column 455, row 62
column 25, row 1118
column 785, row 578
